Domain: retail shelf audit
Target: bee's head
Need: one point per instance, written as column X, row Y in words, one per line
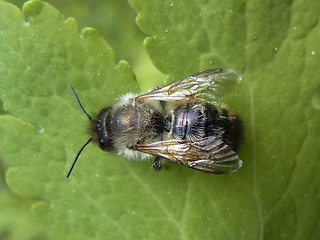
column 100, row 130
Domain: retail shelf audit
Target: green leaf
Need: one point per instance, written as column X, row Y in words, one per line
column 274, row 195
column 108, row 17
column 16, row 220
column 42, row 126
column 274, row 44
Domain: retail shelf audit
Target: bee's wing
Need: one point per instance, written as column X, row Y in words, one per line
column 209, row 85
column 209, row 154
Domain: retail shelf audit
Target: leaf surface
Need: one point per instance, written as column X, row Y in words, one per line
column 274, row 45
column 274, row 195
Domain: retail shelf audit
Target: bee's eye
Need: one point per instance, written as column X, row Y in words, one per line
column 105, row 140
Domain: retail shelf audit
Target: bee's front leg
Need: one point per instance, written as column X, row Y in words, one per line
column 158, row 163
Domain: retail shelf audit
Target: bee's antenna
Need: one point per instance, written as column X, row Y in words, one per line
column 88, row 115
column 78, row 100
column 75, row 160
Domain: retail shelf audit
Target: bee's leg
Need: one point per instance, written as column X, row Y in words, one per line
column 158, row 163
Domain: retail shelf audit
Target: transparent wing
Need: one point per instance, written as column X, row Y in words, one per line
column 210, row 85
column 209, row 154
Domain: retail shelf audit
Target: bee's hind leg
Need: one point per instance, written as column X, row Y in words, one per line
column 158, row 163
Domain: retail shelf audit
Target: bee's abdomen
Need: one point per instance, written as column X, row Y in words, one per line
column 188, row 122
column 196, row 121
column 224, row 123
column 233, row 130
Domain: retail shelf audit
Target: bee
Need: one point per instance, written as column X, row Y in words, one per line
column 184, row 122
